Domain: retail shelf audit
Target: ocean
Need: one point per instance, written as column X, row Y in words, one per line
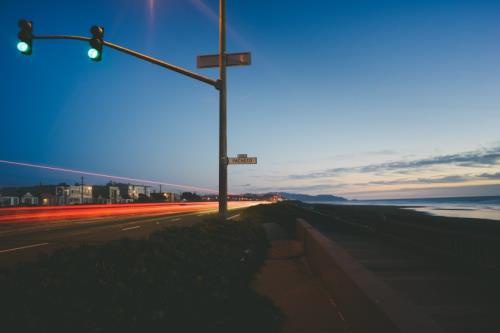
column 467, row 207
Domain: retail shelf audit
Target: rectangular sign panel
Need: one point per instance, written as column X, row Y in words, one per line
column 232, row 59
column 242, row 160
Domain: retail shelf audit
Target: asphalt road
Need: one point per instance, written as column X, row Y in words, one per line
column 23, row 240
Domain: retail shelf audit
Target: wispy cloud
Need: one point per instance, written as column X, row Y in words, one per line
column 490, row 175
column 437, row 180
column 299, row 188
column 476, row 158
column 415, row 192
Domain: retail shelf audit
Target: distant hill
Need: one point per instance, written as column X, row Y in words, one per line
column 311, row 198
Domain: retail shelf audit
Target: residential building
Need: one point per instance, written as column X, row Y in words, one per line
column 47, row 199
column 134, row 192
column 74, row 194
column 6, row 201
column 163, row 197
column 106, row 194
column 169, row 196
column 29, row 199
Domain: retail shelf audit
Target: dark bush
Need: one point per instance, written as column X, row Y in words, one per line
column 179, row 280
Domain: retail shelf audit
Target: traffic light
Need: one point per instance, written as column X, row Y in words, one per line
column 95, row 51
column 25, row 36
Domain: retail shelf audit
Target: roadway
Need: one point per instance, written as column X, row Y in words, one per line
column 28, row 231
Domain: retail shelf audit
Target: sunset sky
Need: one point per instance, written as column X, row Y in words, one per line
column 364, row 99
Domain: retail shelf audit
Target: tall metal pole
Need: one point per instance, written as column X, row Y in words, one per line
column 222, row 112
column 81, row 191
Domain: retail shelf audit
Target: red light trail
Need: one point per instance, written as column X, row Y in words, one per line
column 42, row 214
column 95, row 174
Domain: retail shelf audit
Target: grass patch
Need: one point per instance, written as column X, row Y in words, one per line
column 186, row 279
column 284, row 213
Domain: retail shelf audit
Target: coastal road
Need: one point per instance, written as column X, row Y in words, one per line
column 27, row 232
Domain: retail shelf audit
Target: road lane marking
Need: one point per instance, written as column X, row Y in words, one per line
column 23, row 247
column 176, row 219
column 79, row 233
column 130, row 228
column 233, row 217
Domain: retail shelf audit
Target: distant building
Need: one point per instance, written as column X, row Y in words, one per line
column 74, row 194
column 106, row 194
column 164, row 197
column 47, row 199
column 6, row 201
column 134, row 192
column 29, row 199
column 170, row 196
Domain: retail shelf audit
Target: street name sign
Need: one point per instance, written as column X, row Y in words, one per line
column 242, row 159
column 232, row 59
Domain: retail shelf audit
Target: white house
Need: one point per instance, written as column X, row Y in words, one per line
column 134, row 191
column 72, row 195
column 29, row 199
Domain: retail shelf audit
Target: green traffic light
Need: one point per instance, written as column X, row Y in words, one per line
column 93, row 53
column 23, row 47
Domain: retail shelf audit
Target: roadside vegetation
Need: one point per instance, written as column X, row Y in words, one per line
column 283, row 213
column 183, row 279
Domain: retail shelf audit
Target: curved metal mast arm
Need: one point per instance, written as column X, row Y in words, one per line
column 180, row 70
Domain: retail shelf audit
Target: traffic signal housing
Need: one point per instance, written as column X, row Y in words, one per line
column 25, row 35
column 96, row 43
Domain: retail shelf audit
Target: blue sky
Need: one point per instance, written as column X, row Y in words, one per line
column 342, row 97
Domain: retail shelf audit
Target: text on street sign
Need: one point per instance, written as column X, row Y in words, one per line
column 242, row 160
column 232, row 59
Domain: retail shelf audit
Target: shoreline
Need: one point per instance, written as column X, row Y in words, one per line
column 470, row 211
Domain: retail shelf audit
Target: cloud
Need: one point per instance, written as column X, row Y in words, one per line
column 473, row 190
column 476, row 158
column 438, row 180
column 490, row 175
column 300, row 188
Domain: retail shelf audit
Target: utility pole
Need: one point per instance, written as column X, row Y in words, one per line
column 222, row 112
column 81, row 192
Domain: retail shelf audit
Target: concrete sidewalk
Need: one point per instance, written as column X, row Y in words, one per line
column 286, row 279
